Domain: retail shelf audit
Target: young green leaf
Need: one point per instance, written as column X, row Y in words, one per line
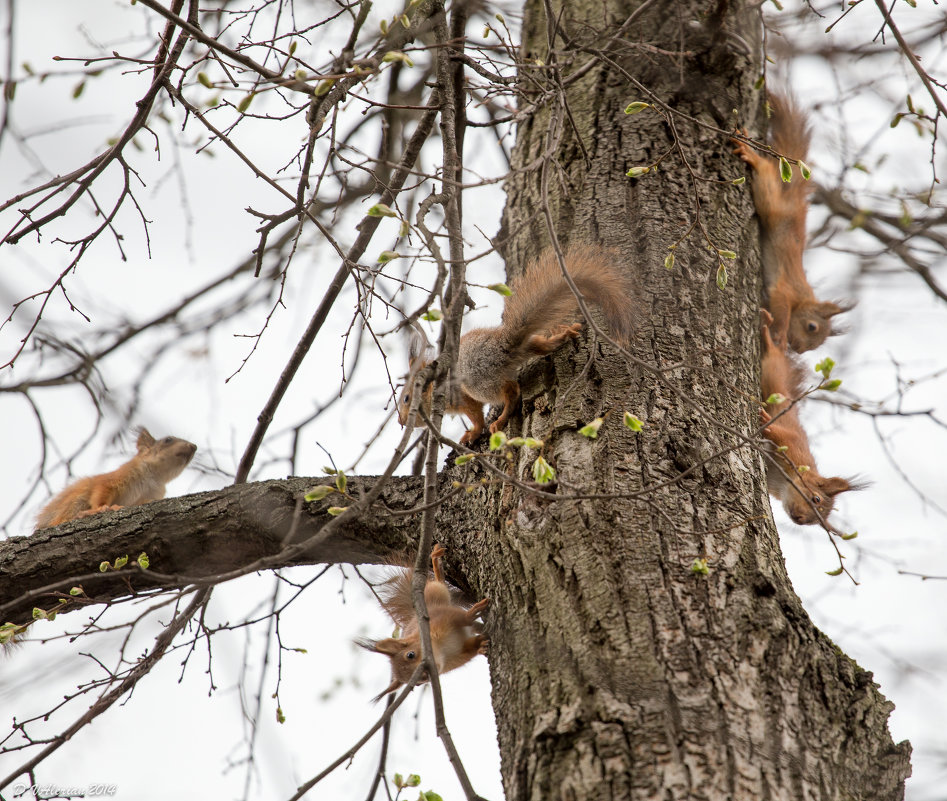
column 323, row 87
column 103, row 566
column 501, row 289
column 335, row 511
column 203, row 79
column 341, row 481
column 280, row 717
column 825, row 367
column 591, row 430
column 850, row 536
column 121, row 562
column 433, row 315
column 464, row 458
column 721, row 276
column 318, row 493
column 831, row 386
column 244, row 104
column 804, row 170
column 775, row 399
column 634, row 108
column 836, row 572
column 633, row 422
column 785, row 170
column 381, row 210
column 739, row 181
column 497, row 440
column 669, row 261
column 143, row 561
column 634, row 172
column 699, row 567
column 397, row 55
column 543, row 473
column 75, row 591
column 388, row 255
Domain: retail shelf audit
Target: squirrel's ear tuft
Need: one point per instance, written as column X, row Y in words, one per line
column 835, row 486
column 145, row 440
column 389, row 646
column 420, row 349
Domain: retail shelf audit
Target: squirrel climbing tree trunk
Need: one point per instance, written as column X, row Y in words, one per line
column 621, row 670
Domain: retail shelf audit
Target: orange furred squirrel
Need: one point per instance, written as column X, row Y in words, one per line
column 805, row 490
column 538, row 317
column 456, row 635
column 798, row 317
column 139, row 480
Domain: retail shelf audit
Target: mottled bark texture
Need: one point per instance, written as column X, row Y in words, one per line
column 618, row 673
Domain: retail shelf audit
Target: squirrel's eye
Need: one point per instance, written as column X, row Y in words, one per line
column 409, row 655
column 813, row 327
column 168, row 440
column 817, row 499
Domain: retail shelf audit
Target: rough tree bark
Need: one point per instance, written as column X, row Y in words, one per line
column 618, row 673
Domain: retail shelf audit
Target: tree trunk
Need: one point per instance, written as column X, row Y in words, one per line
column 618, row 672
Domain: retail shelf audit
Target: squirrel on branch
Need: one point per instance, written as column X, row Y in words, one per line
column 538, row 318
column 456, row 635
column 799, row 318
column 139, row 480
column 805, row 490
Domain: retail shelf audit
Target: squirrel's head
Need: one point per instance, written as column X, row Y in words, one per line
column 420, row 355
column 168, row 456
column 811, row 492
column 405, row 656
column 811, row 325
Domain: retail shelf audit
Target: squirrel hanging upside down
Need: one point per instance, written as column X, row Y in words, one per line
column 456, row 635
column 798, row 317
column 139, row 480
column 538, row 317
column 805, row 490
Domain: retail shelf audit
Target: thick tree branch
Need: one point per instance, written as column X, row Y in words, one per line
column 206, row 537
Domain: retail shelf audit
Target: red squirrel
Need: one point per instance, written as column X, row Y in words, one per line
column 805, row 490
column 537, row 319
column 139, row 480
column 798, row 317
column 456, row 635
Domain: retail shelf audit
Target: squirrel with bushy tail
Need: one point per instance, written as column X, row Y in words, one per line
column 538, row 318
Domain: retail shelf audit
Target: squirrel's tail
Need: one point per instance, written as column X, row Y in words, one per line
column 542, row 299
column 789, row 131
column 394, row 594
